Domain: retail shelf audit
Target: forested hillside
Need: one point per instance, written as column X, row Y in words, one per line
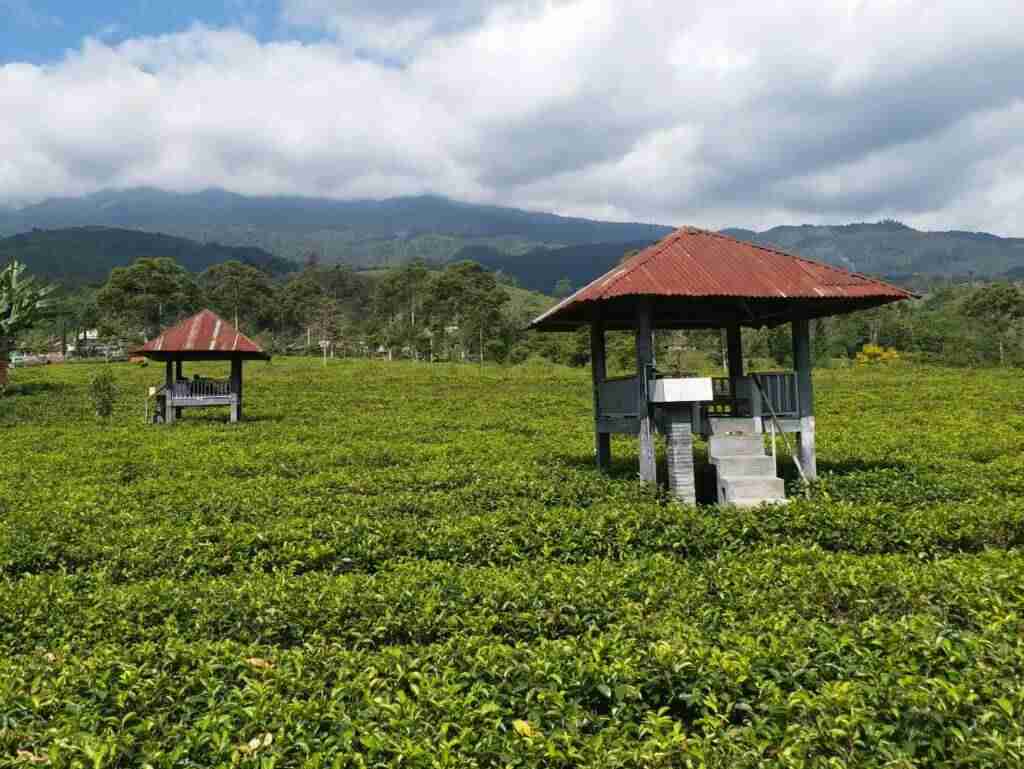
column 360, row 232
column 539, row 249
column 554, row 270
column 78, row 255
column 894, row 249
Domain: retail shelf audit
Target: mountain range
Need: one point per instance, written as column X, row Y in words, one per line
column 76, row 255
column 88, row 235
column 364, row 233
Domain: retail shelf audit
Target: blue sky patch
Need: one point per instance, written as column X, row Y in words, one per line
column 41, row 31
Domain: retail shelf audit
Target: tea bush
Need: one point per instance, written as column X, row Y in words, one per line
column 103, row 393
column 393, row 564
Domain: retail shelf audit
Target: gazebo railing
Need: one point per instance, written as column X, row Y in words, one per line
column 778, row 387
column 200, row 388
column 618, row 397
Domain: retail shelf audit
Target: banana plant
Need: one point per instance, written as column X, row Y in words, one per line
column 23, row 302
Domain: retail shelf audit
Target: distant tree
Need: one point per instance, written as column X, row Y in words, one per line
column 23, row 303
column 563, row 287
column 240, row 292
column 398, row 301
column 466, row 296
column 79, row 313
column 148, row 294
column 1000, row 307
column 312, row 260
column 327, row 320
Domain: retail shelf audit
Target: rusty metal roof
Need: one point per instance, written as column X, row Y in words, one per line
column 203, row 336
column 696, row 278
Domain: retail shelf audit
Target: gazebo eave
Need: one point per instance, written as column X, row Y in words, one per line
column 719, row 312
column 200, row 355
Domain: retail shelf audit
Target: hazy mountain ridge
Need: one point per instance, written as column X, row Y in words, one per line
column 542, row 268
column 538, row 249
column 360, row 233
column 77, row 255
column 893, row 248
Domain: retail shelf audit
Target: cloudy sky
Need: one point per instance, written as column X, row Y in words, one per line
column 738, row 112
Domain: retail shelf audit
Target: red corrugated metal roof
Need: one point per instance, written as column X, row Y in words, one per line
column 694, row 263
column 205, row 334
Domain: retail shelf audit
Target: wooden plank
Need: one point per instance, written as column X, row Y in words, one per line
column 598, row 371
column 618, row 426
column 212, row 400
column 618, row 396
column 644, row 366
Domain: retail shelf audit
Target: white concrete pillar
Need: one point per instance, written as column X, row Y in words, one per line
column 806, row 450
column 678, row 425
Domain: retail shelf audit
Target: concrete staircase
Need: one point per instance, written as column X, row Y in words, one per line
column 746, row 474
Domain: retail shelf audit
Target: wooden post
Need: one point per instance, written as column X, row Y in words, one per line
column 644, row 364
column 178, row 376
column 169, row 412
column 598, row 372
column 734, row 341
column 805, row 397
column 236, row 388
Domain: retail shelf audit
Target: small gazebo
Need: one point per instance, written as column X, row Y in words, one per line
column 696, row 279
column 203, row 337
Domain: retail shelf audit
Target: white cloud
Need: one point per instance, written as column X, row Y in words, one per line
column 737, row 113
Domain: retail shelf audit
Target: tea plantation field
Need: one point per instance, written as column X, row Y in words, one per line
column 397, row 564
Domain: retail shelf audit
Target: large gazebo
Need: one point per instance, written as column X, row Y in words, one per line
column 203, row 337
column 696, row 279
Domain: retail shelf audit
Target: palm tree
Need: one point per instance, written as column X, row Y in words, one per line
column 23, row 302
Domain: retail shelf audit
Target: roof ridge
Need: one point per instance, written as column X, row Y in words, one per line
column 642, row 257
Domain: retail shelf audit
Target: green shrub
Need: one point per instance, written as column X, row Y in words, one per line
column 103, row 392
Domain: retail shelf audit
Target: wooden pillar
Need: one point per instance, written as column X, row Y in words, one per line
column 734, row 343
column 178, row 376
column 805, row 397
column 169, row 412
column 644, row 365
column 598, row 371
column 236, row 388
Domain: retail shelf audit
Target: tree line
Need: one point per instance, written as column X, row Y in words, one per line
column 458, row 312
column 463, row 312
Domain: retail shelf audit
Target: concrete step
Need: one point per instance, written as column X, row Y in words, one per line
column 734, row 426
column 735, row 445
column 744, row 465
column 751, row 491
